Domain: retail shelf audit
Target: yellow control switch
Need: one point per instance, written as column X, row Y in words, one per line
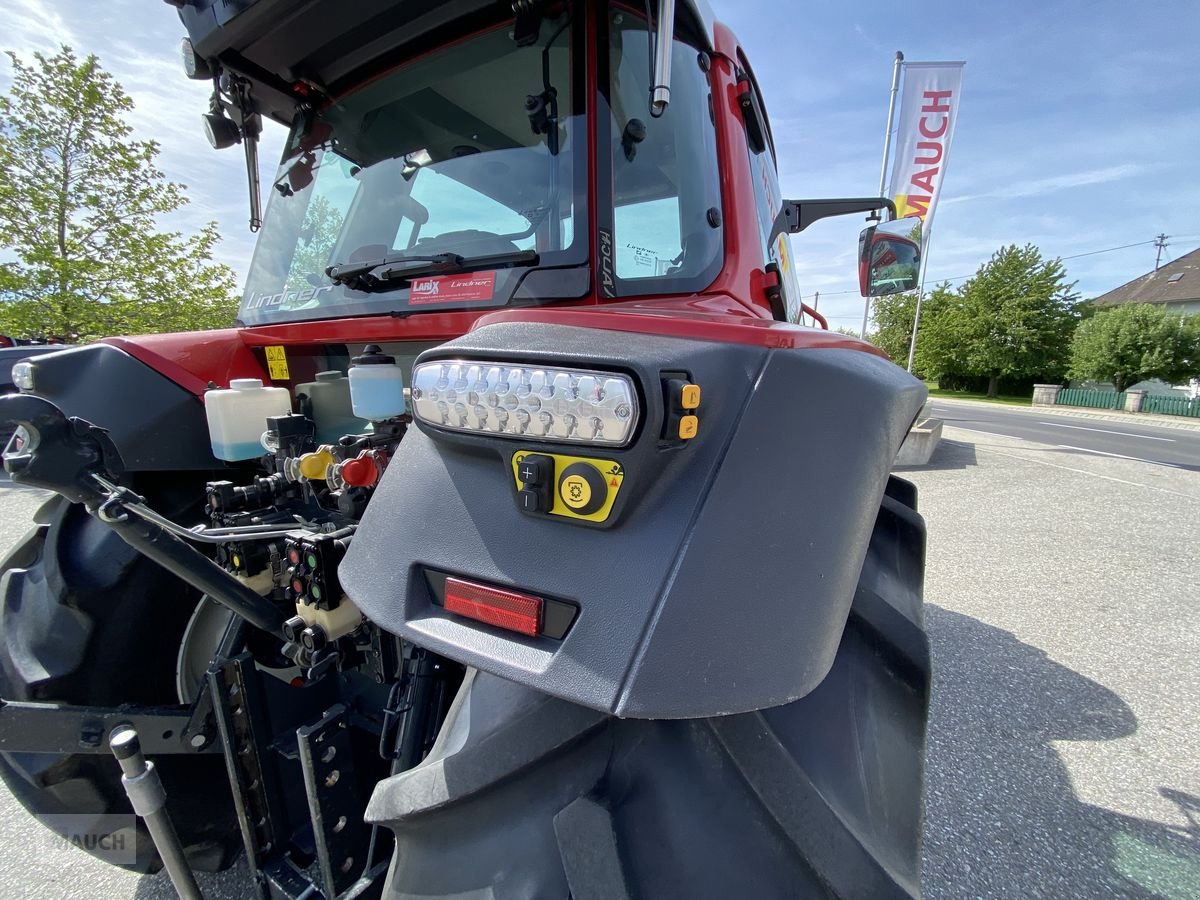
column 577, row 487
column 688, row 426
column 689, row 397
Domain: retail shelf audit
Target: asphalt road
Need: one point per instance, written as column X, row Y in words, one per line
column 1062, row 745
column 1160, row 445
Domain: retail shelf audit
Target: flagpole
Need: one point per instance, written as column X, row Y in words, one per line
column 912, row 346
column 887, row 149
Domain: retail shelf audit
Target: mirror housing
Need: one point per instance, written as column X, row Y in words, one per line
column 889, row 257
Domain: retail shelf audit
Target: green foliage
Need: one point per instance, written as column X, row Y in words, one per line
column 1013, row 318
column 1134, row 342
column 318, row 234
column 79, row 200
column 893, row 317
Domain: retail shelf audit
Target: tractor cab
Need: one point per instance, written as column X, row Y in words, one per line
column 470, row 158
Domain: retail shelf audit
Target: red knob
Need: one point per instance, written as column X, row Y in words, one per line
column 360, row 472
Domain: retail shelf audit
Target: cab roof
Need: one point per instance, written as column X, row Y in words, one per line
column 289, row 46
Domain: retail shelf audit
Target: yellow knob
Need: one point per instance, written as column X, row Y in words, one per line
column 313, row 466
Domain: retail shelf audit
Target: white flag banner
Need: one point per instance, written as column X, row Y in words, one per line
column 928, row 110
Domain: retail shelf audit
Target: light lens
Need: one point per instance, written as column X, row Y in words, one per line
column 22, row 375
column 194, row 66
column 566, row 406
column 221, row 131
column 492, row 606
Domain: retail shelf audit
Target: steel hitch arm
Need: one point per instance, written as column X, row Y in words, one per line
column 75, row 458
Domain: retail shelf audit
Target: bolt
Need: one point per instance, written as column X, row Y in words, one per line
column 198, row 740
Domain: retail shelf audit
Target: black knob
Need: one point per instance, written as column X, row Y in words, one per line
column 313, row 639
column 582, row 488
column 293, row 627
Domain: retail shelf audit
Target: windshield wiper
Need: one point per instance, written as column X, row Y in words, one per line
column 373, row 276
column 349, row 272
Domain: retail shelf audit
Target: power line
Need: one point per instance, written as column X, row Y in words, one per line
column 1109, row 250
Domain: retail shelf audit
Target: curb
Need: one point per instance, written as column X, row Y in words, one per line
column 1158, row 421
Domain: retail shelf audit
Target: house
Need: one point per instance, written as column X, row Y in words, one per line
column 1175, row 285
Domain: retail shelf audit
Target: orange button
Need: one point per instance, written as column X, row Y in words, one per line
column 689, row 397
column 688, row 426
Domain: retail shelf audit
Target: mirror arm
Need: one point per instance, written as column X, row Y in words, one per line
column 797, row 215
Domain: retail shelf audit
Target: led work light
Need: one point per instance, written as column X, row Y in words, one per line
column 569, row 406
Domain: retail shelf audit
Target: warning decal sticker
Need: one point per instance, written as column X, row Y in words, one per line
column 277, row 366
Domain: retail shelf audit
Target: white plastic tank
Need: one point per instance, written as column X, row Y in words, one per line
column 237, row 417
column 376, row 385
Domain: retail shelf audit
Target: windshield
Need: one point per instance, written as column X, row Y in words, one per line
column 473, row 150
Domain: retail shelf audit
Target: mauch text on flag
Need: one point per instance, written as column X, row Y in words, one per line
column 928, row 110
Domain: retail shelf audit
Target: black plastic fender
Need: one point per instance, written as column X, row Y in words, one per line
column 722, row 582
column 154, row 423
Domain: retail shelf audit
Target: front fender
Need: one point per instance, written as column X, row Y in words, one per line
column 155, row 423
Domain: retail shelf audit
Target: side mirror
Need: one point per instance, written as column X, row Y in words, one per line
column 889, row 257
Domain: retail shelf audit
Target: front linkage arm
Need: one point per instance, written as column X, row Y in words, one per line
column 78, row 460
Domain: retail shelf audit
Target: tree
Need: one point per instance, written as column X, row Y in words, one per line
column 1013, row 318
column 894, row 315
column 1133, row 342
column 79, row 202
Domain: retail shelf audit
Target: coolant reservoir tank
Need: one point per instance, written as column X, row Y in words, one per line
column 376, row 385
column 237, row 417
column 329, row 406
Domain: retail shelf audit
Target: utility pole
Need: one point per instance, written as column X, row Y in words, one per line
column 1160, row 244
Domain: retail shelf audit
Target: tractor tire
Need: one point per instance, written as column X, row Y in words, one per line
column 85, row 619
column 525, row 795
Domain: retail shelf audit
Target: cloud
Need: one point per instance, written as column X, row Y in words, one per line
column 1014, row 188
column 35, row 25
column 867, row 39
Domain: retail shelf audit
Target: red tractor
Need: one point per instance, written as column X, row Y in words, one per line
column 517, row 543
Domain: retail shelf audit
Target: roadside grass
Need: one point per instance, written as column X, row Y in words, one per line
column 935, row 391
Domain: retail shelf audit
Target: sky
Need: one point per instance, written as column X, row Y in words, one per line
column 1078, row 130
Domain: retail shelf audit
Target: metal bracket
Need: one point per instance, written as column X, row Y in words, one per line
column 235, row 703
column 334, row 803
column 61, row 728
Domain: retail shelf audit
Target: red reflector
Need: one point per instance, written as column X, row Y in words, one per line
column 504, row 609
